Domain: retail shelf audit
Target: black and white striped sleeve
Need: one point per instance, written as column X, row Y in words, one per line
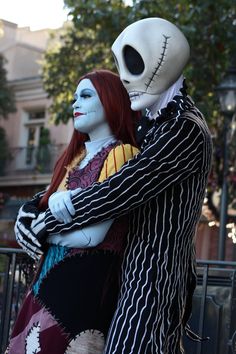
column 177, row 150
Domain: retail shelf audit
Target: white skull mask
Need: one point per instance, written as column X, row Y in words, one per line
column 150, row 55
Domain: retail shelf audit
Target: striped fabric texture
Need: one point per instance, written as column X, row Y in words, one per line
column 116, row 159
column 162, row 190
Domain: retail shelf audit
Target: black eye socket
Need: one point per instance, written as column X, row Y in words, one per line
column 133, row 60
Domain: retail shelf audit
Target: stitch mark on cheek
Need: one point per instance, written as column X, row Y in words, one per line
column 160, row 62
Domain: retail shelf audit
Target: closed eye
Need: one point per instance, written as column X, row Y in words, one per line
column 85, row 95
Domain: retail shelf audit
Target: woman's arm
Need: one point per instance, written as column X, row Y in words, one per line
column 91, row 235
column 116, row 158
column 87, row 237
column 180, row 147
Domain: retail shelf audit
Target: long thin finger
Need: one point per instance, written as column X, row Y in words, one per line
column 54, row 212
column 26, row 232
column 23, row 214
column 28, row 244
column 32, row 254
column 70, row 207
column 66, row 215
column 30, row 249
column 62, row 213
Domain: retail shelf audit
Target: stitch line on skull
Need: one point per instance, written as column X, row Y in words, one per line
column 160, row 62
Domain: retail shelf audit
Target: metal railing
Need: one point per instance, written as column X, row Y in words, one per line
column 214, row 309
column 214, row 301
column 16, row 270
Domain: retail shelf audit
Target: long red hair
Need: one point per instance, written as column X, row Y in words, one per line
column 121, row 119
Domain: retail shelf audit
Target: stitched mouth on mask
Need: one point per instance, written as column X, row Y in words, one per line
column 135, row 95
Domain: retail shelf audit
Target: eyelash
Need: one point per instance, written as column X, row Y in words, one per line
column 85, row 95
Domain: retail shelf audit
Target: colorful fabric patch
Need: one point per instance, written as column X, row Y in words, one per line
column 55, row 254
column 33, row 329
column 88, row 342
column 81, row 292
column 86, row 176
column 32, row 345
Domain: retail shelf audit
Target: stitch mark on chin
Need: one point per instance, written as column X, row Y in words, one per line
column 160, row 61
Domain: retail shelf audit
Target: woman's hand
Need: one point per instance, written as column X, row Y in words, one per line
column 61, row 206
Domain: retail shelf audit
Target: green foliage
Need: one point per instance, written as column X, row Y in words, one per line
column 44, row 138
column 85, row 46
column 7, row 103
column 4, row 151
column 44, row 151
column 209, row 26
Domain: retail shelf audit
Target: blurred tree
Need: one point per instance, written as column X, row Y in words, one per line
column 210, row 27
column 85, row 44
column 4, row 151
column 7, row 105
column 44, row 151
column 7, row 101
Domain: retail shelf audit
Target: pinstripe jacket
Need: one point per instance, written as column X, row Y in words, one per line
column 162, row 189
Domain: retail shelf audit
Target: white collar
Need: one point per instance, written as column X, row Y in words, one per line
column 94, row 146
column 165, row 98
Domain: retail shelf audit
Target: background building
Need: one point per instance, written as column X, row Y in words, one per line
column 33, row 142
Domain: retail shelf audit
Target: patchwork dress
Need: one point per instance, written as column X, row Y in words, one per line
column 162, row 188
column 71, row 303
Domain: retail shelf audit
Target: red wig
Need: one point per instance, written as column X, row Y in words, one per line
column 121, row 119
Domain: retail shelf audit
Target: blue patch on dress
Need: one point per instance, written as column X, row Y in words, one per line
column 55, row 254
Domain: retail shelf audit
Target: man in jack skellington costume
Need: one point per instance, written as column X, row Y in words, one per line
column 162, row 189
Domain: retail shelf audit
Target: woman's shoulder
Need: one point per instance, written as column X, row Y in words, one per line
column 116, row 158
column 123, row 152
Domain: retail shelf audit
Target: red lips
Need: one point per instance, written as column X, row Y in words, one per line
column 77, row 114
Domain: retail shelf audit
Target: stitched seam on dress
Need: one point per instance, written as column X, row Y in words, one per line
column 46, row 268
column 59, row 324
column 91, row 331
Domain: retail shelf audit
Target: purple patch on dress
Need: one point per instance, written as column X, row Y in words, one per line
column 36, row 323
column 28, row 309
column 84, row 177
column 50, row 346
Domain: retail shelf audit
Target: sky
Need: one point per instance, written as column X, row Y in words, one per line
column 36, row 14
